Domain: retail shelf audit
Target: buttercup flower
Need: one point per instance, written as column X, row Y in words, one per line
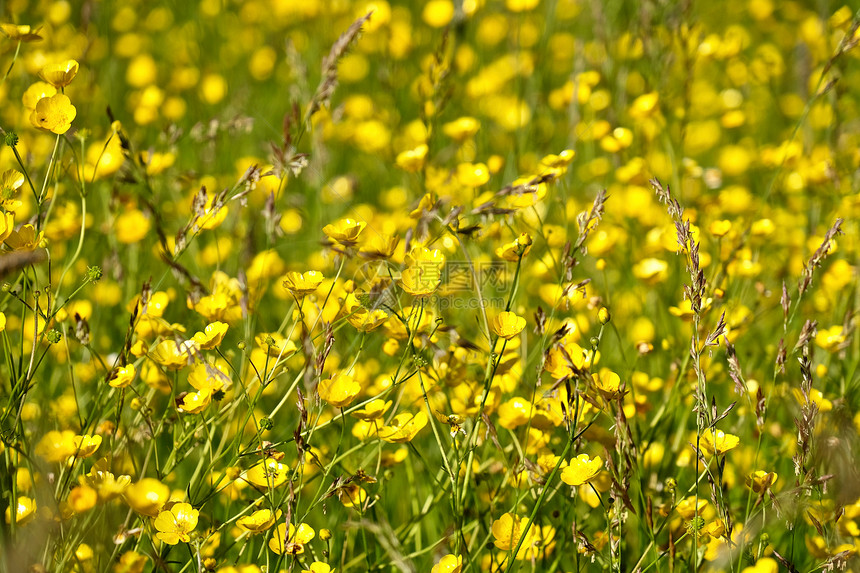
column 35, row 93
column 581, row 469
column 760, row 481
column 689, row 507
column 718, row 442
column 194, row 402
column 7, row 225
column 270, row 473
column 515, row 250
column 472, row 175
column 380, row 247
column 418, row 282
column 21, row 33
column 122, row 376
column 291, row 541
column 607, row 382
column 25, row 510
column 462, row 128
column 173, row 355
column 176, row 523
column 339, row 390
column 373, row 410
column 412, row 160
column 25, row 238
column 147, row 496
column 345, row 231
column 301, row 284
column 85, row 446
column 258, row 521
column 404, row 427
column 507, row 325
column 10, row 183
column 449, row 564
column 61, row 74
column 211, row 336
column 54, row 114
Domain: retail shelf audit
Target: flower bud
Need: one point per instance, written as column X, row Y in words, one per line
column 603, row 315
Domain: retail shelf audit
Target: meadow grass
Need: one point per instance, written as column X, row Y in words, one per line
column 447, row 286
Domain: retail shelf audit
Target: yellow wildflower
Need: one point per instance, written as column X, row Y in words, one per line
column 176, row 523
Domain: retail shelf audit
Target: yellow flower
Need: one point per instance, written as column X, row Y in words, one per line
column 25, row 239
column 607, row 382
column 521, row 5
column 830, row 339
column 688, row 507
column 461, row 128
column 651, row 271
column 361, row 318
column 339, row 390
column 209, row 375
column 213, row 215
column 211, row 336
column 147, row 496
column 472, row 175
column 508, row 324
column 766, row 565
column 122, row 376
column 345, row 231
column 270, row 473
column 7, row 224
column 195, row 402
column 291, row 541
column 175, row 524
column 54, row 114
column 418, row 282
column 10, row 183
column 438, row 13
column 173, row 355
column 448, row 564
column 60, row 75
column 718, row 442
column 320, row 567
column 258, row 521
column 425, row 205
column 715, row 529
column 373, row 410
column 565, row 360
column 132, row 227
column 86, row 445
column 720, row 228
column 105, row 482
column 275, row 344
column 426, row 259
column 21, row 33
column 412, row 160
column 352, row 495
column 34, row 93
column 380, row 247
column 301, row 284
column 130, row 562
column 515, row 250
column 760, row 481
column 404, row 427
column 25, row 510
column 507, row 531
column 56, row 446
column 81, row 499
column 816, row 397
column 581, row 469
